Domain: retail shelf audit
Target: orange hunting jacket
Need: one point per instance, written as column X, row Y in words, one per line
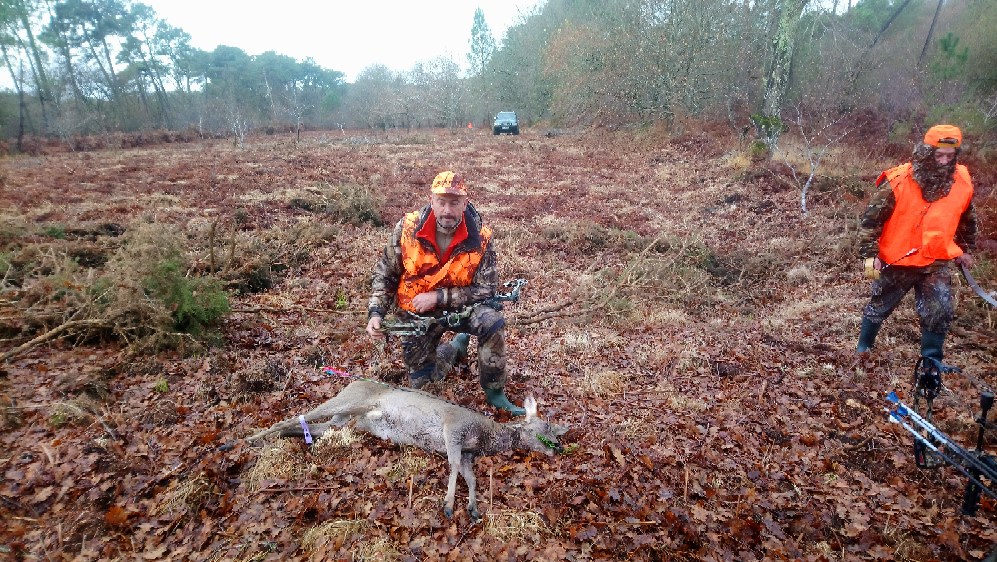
column 463, row 274
column 928, row 228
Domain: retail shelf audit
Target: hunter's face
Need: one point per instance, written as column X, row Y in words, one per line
column 944, row 155
column 448, row 209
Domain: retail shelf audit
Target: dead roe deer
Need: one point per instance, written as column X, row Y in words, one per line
column 411, row 417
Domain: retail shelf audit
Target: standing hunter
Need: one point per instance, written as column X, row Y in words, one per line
column 440, row 259
column 919, row 222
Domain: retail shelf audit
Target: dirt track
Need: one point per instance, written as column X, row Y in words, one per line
column 697, row 340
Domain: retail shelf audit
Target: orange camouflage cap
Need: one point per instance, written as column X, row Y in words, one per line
column 943, row 136
column 449, row 183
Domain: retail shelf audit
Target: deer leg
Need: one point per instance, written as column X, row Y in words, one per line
column 340, row 411
column 454, row 458
column 467, row 471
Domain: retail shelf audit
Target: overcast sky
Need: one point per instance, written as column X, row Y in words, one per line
column 343, row 35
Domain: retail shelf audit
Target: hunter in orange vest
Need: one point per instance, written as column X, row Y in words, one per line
column 441, row 259
column 919, row 222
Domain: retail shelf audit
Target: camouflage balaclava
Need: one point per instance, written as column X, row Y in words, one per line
column 936, row 179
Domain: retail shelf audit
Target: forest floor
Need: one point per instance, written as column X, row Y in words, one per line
column 692, row 328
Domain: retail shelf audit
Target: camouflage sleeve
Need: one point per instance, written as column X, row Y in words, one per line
column 965, row 233
column 387, row 272
column 880, row 209
column 483, row 285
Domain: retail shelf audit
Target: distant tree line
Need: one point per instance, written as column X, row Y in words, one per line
column 93, row 66
column 86, row 66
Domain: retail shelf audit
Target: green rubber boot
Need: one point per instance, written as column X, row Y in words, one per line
column 867, row 336
column 496, row 397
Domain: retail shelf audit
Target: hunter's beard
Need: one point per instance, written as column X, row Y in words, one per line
column 448, row 224
column 935, row 179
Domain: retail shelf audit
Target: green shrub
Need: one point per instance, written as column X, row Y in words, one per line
column 759, row 150
column 56, row 231
column 195, row 303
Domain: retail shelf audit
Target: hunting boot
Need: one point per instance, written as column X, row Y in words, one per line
column 449, row 355
column 496, row 397
column 932, row 344
column 868, row 335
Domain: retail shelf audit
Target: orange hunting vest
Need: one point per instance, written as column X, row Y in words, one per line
column 422, row 270
column 915, row 223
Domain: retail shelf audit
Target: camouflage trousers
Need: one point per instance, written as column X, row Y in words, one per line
column 485, row 323
column 932, row 295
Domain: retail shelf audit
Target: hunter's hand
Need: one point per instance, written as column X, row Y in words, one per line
column 424, row 302
column 374, row 327
column 966, row 260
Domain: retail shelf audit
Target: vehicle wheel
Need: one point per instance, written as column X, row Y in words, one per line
column 495, row 131
column 515, row 131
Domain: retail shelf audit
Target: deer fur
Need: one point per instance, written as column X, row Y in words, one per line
column 411, row 417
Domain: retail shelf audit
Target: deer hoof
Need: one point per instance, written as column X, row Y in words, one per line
column 473, row 513
column 448, row 511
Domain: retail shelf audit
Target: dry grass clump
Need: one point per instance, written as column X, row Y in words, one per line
column 638, row 426
column 665, row 270
column 332, row 534
column 681, row 402
column 253, row 262
column 577, row 342
column 585, row 237
column 79, row 410
column 345, row 203
column 335, row 443
column 738, row 160
column 507, row 525
column 377, row 550
column 603, row 382
column 187, row 495
column 279, row 460
column 412, row 463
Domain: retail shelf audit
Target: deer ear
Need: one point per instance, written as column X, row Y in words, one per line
column 530, row 405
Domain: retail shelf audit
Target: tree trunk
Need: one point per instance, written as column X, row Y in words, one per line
column 19, row 86
column 22, row 116
column 63, row 49
column 931, row 31
column 38, row 69
column 780, row 61
column 889, row 20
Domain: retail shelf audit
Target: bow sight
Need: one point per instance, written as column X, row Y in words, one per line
column 932, row 447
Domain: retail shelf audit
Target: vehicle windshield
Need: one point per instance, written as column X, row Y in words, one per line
column 506, row 115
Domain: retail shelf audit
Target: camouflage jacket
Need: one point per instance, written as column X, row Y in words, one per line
column 388, row 269
column 881, row 207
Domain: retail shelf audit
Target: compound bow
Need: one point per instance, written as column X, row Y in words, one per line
column 411, row 324
column 932, row 447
